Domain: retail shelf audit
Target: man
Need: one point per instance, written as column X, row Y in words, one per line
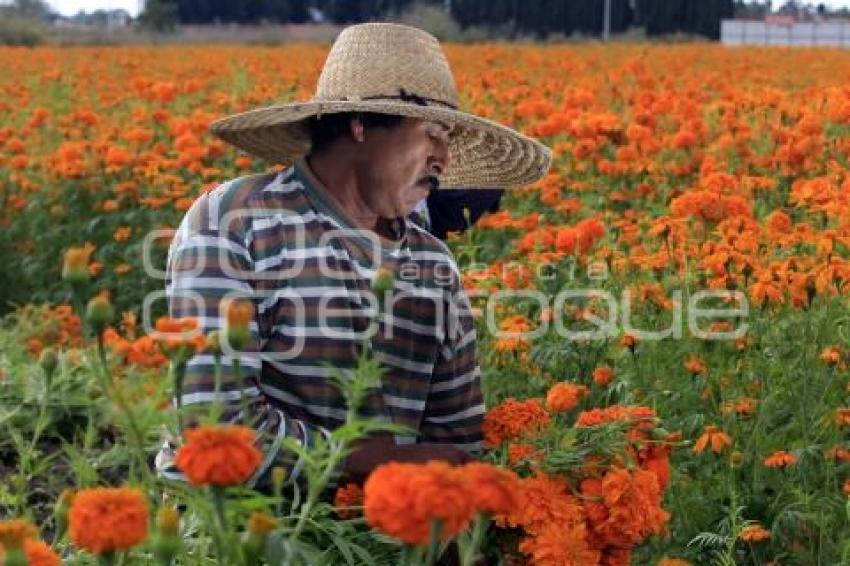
column 303, row 246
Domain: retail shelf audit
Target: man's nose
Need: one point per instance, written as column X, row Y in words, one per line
column 438, row 161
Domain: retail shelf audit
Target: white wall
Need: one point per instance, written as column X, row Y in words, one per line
column 825, row 34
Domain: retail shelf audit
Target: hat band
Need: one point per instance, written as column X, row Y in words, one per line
column 405, row 96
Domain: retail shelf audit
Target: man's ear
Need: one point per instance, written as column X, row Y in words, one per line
column 357, row 130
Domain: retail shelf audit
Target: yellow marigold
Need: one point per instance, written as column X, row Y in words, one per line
column 754, row 533
column 219, row 455
column 104, row 520
column 780, row 459
column 403, row 500
column 13, row 533
column 261, row 524
column 564, row 397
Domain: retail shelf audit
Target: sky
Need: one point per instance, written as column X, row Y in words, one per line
column 71, row 7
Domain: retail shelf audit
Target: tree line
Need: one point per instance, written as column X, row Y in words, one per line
column 538, row 18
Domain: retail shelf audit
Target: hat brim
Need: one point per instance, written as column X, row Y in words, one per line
column 483, row 153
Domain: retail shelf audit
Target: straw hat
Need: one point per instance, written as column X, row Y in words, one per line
column 392, row 69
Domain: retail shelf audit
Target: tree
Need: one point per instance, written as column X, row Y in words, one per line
column 159, row 15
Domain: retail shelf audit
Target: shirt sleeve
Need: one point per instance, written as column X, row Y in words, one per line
column 454, row 408
column 204, row 266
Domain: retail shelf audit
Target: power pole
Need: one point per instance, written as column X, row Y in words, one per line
column 606, row 21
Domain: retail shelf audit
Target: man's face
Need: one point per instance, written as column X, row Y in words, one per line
column 398, row 164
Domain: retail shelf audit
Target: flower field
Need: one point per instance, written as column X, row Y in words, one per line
column 663, row 320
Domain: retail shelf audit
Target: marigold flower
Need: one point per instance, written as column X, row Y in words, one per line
column 714, row 437
column 179, row 337
column 629, row 341
column 350, row 495
column 846, row 488
column 495, row 490
column 695, row 365
column 557, row 545
column 14, row 532
column 104, row 520
column 35, row 553
column 667, row 561
column 220, row 455
column 830, row 355
column 842, row 416
column 514, row 419
column 518, row 452
column 403, row 500
column 754, row 533
column 623, row 507
column 603, row 375
column 564, row 397
column 780, row 459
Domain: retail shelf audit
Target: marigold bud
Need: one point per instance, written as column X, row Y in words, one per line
column 278, row 477
column 48, row 361
column 254, row 542
column 75, row 265
column 384, row 281
column 99, row 312
column 166, row 540
column 212, row 342
column 239, row 314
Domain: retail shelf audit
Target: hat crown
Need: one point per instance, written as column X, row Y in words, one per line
column 379, row 61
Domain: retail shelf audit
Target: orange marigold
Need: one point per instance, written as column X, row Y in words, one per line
column 713, row 436
column 514, row 419
column 603, row 375
column 402, row 500
column 623, row 508
column 754, row 533
column 667, row 561
column 36, row 552
column 103, row 520
column 557, row 545
column 40, row 554
column 495, row 489
column 845, row 488
column 219, row 455
column 780, row 459
column 563, row 397
column 350, row 495
column 14, row 532
column 179, row 336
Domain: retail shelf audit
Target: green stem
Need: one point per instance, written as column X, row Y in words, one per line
column 138, row 440
column 220, row 522
column 434, row 544
column 469, row 551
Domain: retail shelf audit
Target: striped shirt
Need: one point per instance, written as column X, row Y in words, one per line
column 277, row 240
